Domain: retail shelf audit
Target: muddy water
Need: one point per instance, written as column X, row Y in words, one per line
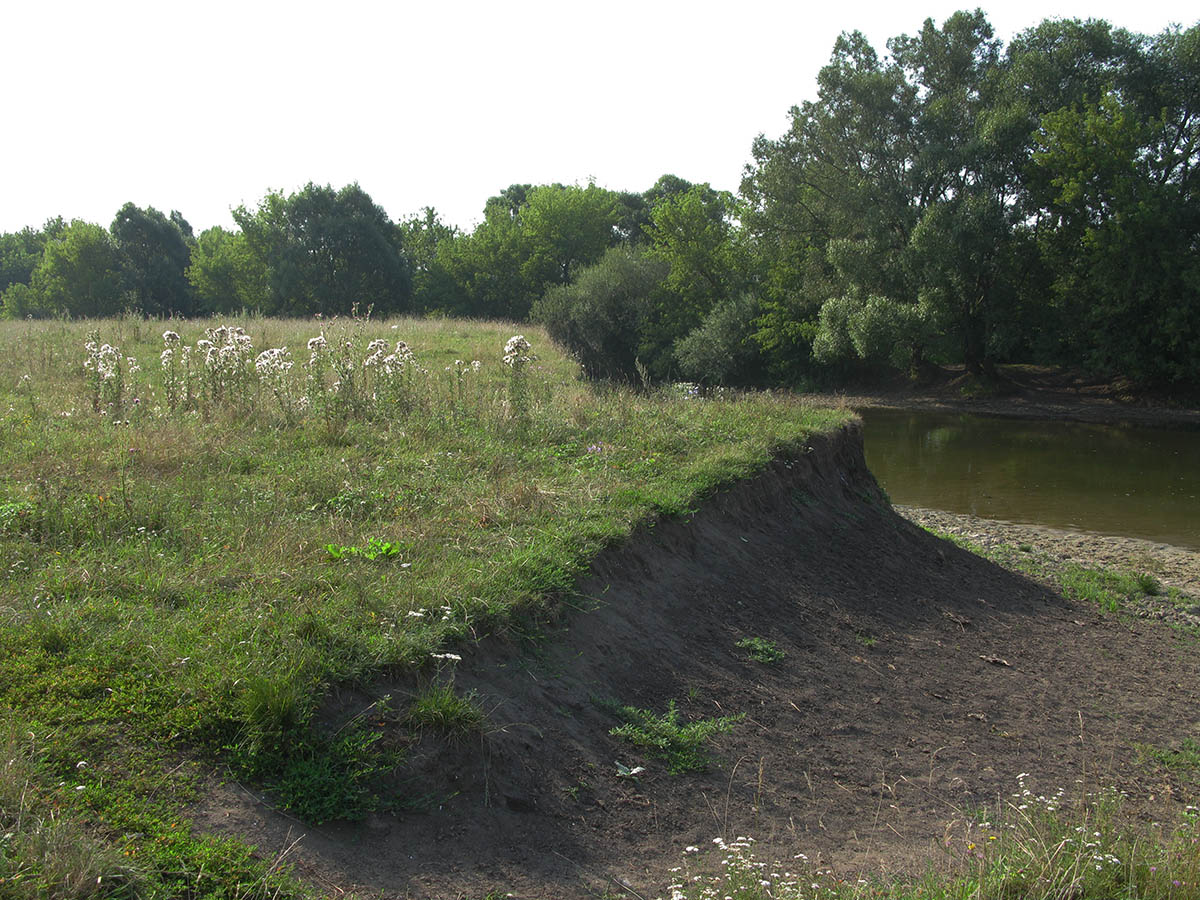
column 1133, row 481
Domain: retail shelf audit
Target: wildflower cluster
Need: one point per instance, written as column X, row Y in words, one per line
column 225, row 355
column 176, row 363
column 517, row 356
column 739, row 875
column 106, row 369
column 339, row 375
column 517, row 352
column 274, row 368
column 393, row 374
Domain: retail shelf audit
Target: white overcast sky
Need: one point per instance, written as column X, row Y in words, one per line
column 202, row 106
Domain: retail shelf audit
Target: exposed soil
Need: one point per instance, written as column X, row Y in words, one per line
column 919, row 681
column 1036, row 392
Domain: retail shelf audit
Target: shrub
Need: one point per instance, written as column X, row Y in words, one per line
column 603, row 316
column 722, row 349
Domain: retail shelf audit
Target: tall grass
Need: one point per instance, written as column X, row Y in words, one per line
column 194, row 554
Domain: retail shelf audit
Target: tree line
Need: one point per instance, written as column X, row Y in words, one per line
column 951, row 200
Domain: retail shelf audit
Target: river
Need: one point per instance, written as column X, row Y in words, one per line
column 1133, row 481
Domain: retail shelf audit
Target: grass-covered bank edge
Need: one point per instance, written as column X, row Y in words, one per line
column 194, row 559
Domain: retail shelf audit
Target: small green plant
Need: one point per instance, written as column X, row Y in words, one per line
column 1108, row 590
column 867, row 640
column 761, row 650
column 332, row 778
column 678, row 744
column 375, row 549
column 1185, row 760
column 439, row 707
column 1148, row 584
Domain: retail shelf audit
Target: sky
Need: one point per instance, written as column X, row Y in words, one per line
column 202, row 107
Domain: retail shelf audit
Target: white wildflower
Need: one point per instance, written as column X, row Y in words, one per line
column 516, row 351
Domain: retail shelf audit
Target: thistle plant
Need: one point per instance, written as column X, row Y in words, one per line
column 176, row 363
column 395, row 378
column 274, row 368
column 225, row 354
column 316, row 367
column 105, row 370
column 517, row 357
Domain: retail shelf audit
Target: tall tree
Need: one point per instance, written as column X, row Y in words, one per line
column 1123, row 232
column 155, row 253
column 225, row 275
column 427, row 241
column 530, row 239
column 832, row 203
column 326, row 250
column 80, row 274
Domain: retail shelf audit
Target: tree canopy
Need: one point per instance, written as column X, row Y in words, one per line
column 947, row 200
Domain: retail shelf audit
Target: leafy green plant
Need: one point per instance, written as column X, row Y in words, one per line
column 761, row 650
column 1148, row 584
column 376, row 549
column 332, row 778
column 679, row 744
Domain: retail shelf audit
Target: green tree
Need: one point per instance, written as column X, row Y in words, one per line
column 530, row 238
column 1123, row 217
column 225, row 275
column 831, row 204
column 487, row 268
column 902, row 183
column 19, row 255
column 80, row 274
column 325, row 250
column 567, row 227
column 427, row 241
column 20, row 251
column 155, row 254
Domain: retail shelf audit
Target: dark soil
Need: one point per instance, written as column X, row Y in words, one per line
column 919, row 680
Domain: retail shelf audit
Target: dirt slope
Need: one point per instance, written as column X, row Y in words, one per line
column 919, row 680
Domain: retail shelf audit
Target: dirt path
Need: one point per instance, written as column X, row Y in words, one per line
column 917, row 682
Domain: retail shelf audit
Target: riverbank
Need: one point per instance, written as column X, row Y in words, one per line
column 1031, row 392
column 1054, row 549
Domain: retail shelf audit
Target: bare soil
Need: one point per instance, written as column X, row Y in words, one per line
column 919, row 680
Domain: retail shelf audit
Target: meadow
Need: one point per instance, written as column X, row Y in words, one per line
column 209, row 528
column 206, row 526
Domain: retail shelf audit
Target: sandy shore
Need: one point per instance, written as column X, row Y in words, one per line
column 1173, row 566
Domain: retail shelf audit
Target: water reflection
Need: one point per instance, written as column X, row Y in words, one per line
column 1135, row 481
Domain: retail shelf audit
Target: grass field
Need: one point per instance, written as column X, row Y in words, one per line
column 200, row 538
